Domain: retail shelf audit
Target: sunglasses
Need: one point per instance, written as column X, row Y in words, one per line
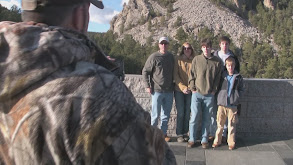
column 164, row 43
column 187, row 48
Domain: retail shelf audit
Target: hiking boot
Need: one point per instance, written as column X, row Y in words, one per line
column 180, row 139
column 186, row 138
column 190, row 144
column 167, row 138
column 205, row 145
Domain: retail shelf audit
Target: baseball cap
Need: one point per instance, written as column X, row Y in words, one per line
column 163, row 39
column 31, row 5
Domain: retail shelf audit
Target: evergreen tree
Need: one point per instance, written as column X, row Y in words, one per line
column 178, row 22
column 272, row 69
column 163, row 21
column 181, row 36
column 10, row 15
column 150, row 25
column 170, row 8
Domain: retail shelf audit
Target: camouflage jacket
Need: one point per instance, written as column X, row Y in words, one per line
column 58, row 107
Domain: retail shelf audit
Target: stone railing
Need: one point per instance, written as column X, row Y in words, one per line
column 267, row 106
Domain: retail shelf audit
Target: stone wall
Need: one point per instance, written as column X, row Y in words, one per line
column 267, row 107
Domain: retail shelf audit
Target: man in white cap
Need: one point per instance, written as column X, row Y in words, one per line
column 158, row 78
column 56, row 105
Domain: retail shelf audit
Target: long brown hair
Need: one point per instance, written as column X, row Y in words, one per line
column 186, row 44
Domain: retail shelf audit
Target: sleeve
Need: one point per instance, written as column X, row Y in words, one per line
column 237, row 65
column 177, row 78
column 241, row 87
column 191, row 80
column 147, row 71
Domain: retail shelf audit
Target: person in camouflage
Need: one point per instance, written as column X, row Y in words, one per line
column 57, row 106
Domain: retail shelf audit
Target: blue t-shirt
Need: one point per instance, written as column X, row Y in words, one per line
column 230, row 84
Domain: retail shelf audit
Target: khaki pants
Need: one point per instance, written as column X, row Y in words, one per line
column 222, row 114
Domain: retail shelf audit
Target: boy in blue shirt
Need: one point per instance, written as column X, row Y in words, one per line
column 228, row 99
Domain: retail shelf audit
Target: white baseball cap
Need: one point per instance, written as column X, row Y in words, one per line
column 163, row 39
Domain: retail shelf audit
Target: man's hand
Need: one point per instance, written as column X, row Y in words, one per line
column 186, row 91
column 110, row 58
column 149, row 90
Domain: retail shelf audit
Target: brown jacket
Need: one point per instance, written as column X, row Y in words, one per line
column 182, row 69
column 205, row 74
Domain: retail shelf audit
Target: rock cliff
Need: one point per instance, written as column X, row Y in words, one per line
column 195, row 14
column 249, row 3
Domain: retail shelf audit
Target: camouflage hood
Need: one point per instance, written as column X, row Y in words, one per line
column 30, row 52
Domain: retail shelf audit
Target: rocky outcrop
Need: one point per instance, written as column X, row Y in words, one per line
column 130, row 15
column 240, row 3
column 270, row 3
column 195, row 14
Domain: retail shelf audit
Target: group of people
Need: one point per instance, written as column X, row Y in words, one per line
column 206, row 88
column 60, row 102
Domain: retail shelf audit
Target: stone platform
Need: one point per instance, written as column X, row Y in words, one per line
column 248, row 151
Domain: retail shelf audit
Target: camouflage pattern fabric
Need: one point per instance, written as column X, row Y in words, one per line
column 58, row 107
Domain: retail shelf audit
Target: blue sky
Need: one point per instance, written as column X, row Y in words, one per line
column 99, row 19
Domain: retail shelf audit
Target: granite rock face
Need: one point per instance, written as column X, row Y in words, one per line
column 195, row 15
column 267, row 108
column 271, row 4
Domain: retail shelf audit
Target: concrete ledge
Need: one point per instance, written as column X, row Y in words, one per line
column 267, row 106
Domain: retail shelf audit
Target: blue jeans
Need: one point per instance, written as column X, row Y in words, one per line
column 201, row 105
column 161, row 105
column 182, row 102
column 213, row 126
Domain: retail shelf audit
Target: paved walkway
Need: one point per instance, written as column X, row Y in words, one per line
column 248, row 151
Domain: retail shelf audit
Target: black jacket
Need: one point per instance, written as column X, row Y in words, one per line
column 236, row 93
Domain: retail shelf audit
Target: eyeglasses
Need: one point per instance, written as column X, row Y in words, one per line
column 164, row 43
column 187, row 48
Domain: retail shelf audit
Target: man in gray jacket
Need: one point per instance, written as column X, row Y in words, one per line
column 158, row 78
column 56, row 105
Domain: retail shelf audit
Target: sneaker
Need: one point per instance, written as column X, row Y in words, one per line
column 190, row 144
column 167, row 138
column 186, row 138
column 205, row 145
column 180, row 139
column 231, row 147
column 215, row 145
column 211, row 138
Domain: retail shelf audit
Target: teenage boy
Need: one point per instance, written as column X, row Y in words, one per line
column 228, row 99
column 223, row 54
column 204, row 79
column 158, row 79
